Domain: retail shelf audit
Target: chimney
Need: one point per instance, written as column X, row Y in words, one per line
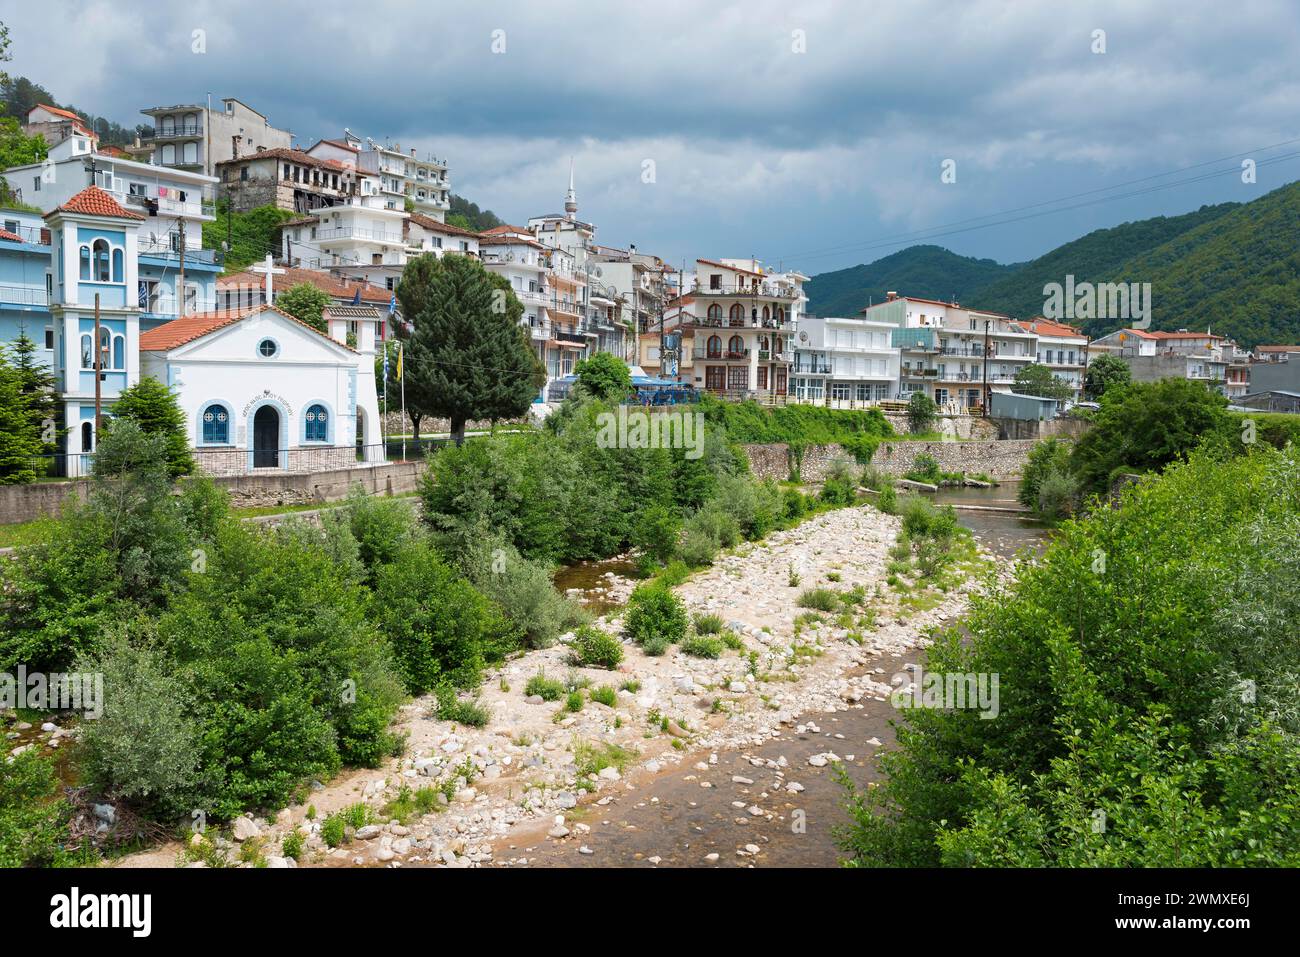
column 338, row 327
column 891, row 295
column 412, row 152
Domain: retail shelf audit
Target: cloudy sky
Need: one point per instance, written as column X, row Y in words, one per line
column 812, row 135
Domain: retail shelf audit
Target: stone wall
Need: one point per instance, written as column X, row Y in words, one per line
column 999, row 459
column 22, row 503
column 1065, row 427
column 397, row 423
column 773, row 460
column 958, row 427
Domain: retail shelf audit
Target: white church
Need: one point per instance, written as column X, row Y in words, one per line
column 260, row 389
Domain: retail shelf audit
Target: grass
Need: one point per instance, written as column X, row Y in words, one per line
column 548, row 689
column 413, row 803
column 703, row 646
column 469, row 713
column 708, row 624
column 293, row 845
column 573, row 703
column 821, row 599
column 605, row 695
column 591, row 759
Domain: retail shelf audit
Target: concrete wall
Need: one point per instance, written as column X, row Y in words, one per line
column 22, row 503
column 1065, row 427
column 960, row 427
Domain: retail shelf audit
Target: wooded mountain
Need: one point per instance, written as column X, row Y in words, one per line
column 1233, row 268
column 930, row 272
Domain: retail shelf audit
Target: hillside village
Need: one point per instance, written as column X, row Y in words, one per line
column 124, row 227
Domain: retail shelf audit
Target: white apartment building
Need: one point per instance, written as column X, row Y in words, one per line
column 405, row 176
column 951, row 353
column 1062, row 348
column 427, row 235
column 844, row 363
column 513, row 253
column 196, row 137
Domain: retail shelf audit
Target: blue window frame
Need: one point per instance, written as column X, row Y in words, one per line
column 216, row 425
column 317, row 424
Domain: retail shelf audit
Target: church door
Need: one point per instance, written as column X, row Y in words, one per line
column 266, row 438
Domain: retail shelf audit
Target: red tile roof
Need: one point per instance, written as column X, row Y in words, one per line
column 57, row 111
column 507, row 228
column 10, row 237
column 711, row 262
column 93, row 201
column 431, row 224
column 178, row 332
column 1046, row 327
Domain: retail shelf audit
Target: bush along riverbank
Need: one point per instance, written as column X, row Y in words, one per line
column 1146, row 673
column 244, row 667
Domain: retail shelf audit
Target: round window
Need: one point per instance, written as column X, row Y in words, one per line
column 267, row 348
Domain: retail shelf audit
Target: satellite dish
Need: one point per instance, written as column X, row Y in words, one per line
column 803, row 337
column 598, row 273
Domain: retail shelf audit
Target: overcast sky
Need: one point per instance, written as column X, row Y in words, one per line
column 808, row 134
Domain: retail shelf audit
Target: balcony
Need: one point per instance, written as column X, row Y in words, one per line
column 571, row 336
column 810, row 368
column 782, row 291
column 919, row 373
column 179, row 131
column 23, row 296
column 32, row 234
column 722, row 355
column 359, row 233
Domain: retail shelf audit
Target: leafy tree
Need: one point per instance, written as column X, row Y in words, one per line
column 921, row 412
column 1037, row 379
column 34, row 815
column 17, row 149
column 306, row 303
column 1145, row 427
column 1106, row 372
column 468, row 357
column 154, row 408
column 467, row 215
column 252, row 233
column 1048, row 457
column 604, row 376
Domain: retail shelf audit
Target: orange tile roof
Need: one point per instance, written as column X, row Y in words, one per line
column 431, row 224
column 57, row 111
column 506, row 228
column 1046, row 327
column 10, row 237
column 178, row 332
column 93, row 201
column 293, row 276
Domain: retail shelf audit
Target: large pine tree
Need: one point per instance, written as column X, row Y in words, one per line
column 468, row 358
column 36, row 384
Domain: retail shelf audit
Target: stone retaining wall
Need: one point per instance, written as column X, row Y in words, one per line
column 999, row 459
column 22, row 503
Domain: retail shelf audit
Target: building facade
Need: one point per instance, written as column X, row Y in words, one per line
column 844, row 363
column 196, row 137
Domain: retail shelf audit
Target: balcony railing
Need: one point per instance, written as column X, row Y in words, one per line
column 762, row 291
column 23, row 296
column 570, row 335
column 31, row 234
column 712, row 322
column 179, row 131
column 810, row 368
column 703, row 352
column 359, row 232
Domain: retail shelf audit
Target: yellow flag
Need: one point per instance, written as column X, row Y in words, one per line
column 399, row 362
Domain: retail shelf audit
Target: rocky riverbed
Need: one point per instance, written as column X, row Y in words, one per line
column 536, row 774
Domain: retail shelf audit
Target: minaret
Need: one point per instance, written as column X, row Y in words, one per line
column 571, row 197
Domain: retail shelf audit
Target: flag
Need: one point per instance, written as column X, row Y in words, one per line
column 399, row 362
column 392, row 303
column 356, row 298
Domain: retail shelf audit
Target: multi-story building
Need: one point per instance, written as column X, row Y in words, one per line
column 1152, row 355
column 954, row 354
column 364, row 238
column 1276, row 353
column 1062, row 348
column 196, row 137
column 288, row 179
column 172, row 206
column 427, row 235
column 514, row 254
column 844, row 363
column 55, row 125
column 405, row 177
column 732, row 328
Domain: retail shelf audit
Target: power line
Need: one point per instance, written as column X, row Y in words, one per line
column 947, row 229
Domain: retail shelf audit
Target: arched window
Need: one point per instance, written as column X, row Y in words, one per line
column 85, row 262
column 736, row 346
column 737, row 314
column 715, row 347
column 317, row 424
column 99, row 253
column 168, row 125
column 87, row 352
column 119, row 352
column 216, row 424
column 87, row 437
column 715, row 313
column 191, row 153
column 766, row 315
column 117, row 265
column 168, row 154
column 780, row 314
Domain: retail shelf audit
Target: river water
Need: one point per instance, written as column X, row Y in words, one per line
column 675, row 819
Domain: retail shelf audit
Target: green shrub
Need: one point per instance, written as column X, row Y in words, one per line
column 1048, row 457
column 605, row 695
column 333, row 830
column 592, row 647
column 821, row 599
column 656, row 533
column 655, row 614
column 655, row 646
column 708, row 624
column 887, row 500
column 548, row 689
column 522, row 589
column 293, row 845
column 33, row 813
column 574, row 701
column 703, row 646
column 925, row 468
column 451, row 707
column 698, row 548
column 1056, row 496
